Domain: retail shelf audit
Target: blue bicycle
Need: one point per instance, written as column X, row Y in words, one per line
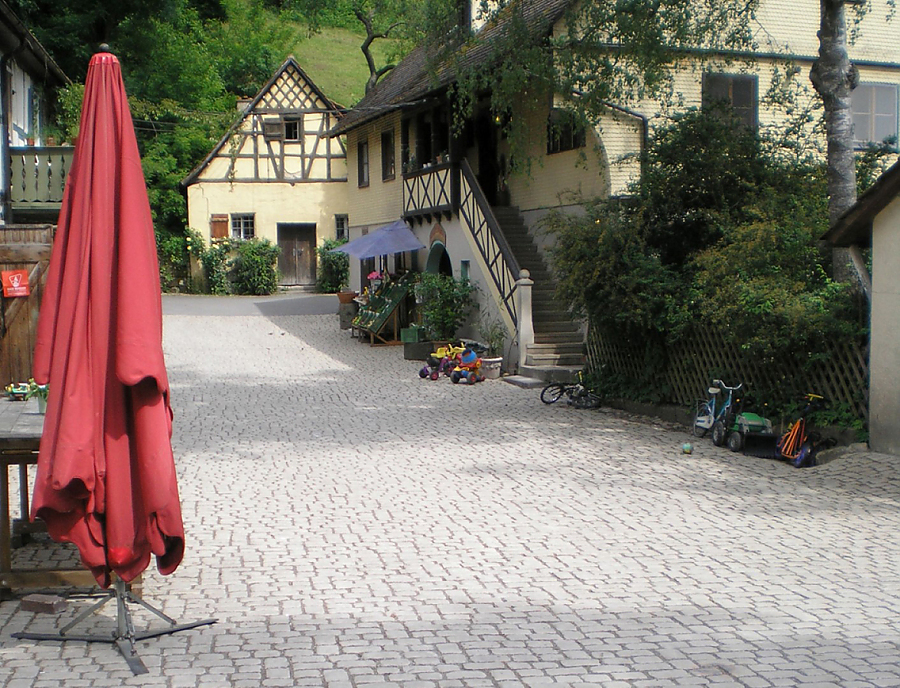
column 717, row 412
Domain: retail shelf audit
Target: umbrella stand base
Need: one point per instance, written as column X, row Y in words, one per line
column 125, row 635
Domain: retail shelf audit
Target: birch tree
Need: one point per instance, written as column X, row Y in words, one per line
column 834, row 77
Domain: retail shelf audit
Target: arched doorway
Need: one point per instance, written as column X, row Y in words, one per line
column 439, row 260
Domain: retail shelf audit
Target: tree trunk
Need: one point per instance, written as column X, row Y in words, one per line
column 834, row 78
column 367, row 20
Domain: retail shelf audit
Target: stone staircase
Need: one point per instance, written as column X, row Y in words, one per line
column 558, row 349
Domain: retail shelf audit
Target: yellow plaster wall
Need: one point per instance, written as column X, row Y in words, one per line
column 792, row 26
column 271, row 203
column 380, row 202
column 557, row 179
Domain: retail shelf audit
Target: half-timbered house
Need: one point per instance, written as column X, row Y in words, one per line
column 276, row 175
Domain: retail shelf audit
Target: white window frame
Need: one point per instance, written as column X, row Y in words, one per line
column 865, row 113
column 341, row 227
column 243, row 226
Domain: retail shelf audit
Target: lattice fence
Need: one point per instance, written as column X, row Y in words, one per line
column 840, row 373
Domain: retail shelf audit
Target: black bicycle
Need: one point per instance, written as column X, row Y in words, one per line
column 576, row 393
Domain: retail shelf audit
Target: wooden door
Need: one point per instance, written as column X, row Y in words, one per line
column 22, row 247
column 297, row 262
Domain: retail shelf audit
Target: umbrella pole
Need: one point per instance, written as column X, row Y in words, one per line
column 125, row 635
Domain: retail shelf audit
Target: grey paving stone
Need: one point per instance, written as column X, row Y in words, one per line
column 351, row 524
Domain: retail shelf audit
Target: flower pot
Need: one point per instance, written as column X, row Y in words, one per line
column 490, row 367
column 346, row 296
column 42, row 405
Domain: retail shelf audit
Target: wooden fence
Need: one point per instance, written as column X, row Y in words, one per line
column 22, row 247
column 840, row 373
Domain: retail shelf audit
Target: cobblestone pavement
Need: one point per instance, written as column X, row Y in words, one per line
column 352, row 525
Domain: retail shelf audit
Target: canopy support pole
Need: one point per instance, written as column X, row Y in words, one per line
column 125, row 635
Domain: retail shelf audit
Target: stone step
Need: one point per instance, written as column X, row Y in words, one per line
column 559, row 338
column 556, row 348
column 559, row 344
column 554, row 359
column 551, row 373
column 555, row 328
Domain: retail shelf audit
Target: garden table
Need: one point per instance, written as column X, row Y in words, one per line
column 20, row 438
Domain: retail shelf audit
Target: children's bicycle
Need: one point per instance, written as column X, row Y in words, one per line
column 578, row 395
column 716, row 413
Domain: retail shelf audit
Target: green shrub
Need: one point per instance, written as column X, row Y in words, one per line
column 333, row 274
column 173, row 261
column 254, row 267
column 445, row 303
column 720, row 232
column 216, row 265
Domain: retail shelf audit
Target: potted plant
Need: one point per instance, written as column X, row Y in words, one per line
column 493, row 336
column 39, row 391
column 376, row 279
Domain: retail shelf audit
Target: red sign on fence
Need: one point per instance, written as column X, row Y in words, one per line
column 15, row 283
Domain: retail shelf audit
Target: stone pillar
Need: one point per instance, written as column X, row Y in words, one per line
column 523, row 311
column 347, row 311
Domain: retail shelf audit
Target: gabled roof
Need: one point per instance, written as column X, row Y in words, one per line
column 855, row 226
column 29, row 53
column 289, row 63
column 416, row 78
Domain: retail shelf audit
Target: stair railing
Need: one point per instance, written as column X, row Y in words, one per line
column 478, row 218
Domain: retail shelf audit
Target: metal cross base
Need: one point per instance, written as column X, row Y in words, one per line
column 125, row 636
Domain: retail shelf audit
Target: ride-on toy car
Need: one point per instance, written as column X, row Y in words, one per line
column 468, row 368
column 441, row 361
column 747, row 424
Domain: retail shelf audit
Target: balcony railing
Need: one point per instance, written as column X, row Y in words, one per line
column 431, row 192
column 38, row 176
column 442, row 190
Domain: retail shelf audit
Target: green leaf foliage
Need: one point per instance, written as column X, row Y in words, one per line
column 721, row 232
column 254, row 267
column 444, row 303
column 334, row 268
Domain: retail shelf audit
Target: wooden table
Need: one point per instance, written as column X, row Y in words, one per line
column 20, row 437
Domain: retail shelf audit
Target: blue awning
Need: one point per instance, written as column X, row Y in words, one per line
column 393, row 238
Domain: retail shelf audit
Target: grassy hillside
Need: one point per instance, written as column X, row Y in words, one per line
column 333, row 60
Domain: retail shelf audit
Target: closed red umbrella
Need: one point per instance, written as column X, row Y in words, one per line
column 106, row 475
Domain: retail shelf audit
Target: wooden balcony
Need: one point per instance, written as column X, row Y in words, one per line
column 37, row 181
column 431, row 192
